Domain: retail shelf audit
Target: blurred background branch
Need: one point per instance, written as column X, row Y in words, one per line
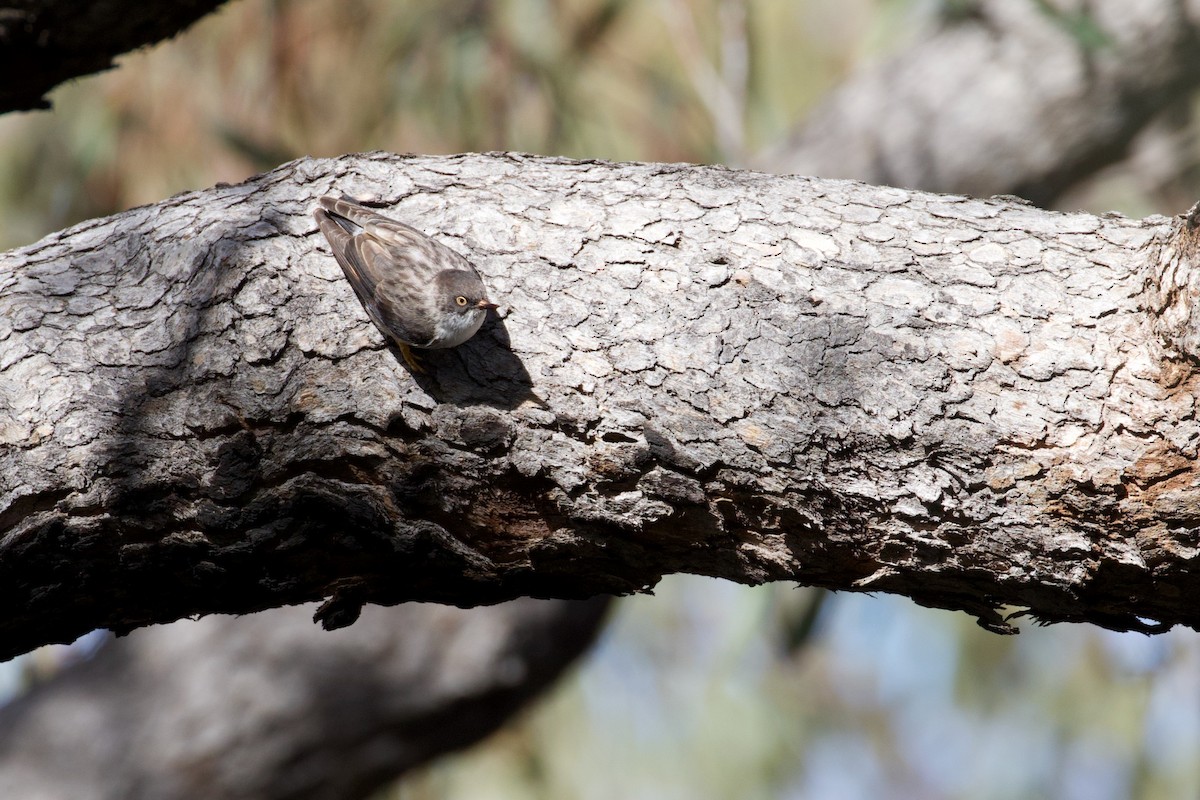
column 1013, row 99
column 269, row 706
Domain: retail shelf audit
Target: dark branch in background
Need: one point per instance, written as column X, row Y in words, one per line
column 1013, row 99
column 46, row 42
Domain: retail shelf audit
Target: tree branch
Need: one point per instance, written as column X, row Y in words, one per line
column 700, row 370
column 46, row 42
column 1014, row 99
column 271, row 707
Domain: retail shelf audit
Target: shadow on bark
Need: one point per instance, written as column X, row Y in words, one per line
column 482, row 371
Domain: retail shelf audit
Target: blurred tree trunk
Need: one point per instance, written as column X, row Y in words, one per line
column 972, row 403
column 1024, row 98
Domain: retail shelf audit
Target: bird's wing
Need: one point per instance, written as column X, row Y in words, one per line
column 379, row 263
column 414, row 249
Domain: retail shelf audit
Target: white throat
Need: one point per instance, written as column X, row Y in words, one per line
column 454, row 329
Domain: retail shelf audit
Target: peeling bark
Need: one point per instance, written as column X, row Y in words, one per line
column 1010, row 100
column 698, row 370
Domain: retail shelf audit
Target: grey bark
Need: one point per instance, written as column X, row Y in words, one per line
column 269, row 707
column 699, row 370
column 46, row 42
column 1013, row 99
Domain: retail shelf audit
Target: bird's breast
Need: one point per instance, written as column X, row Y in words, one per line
column 454, row 329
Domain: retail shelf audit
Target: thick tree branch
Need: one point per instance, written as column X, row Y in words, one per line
column 46, row 42
column 734, row 374
column 1013, row 99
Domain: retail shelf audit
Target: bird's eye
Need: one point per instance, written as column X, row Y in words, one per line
column 462, row 301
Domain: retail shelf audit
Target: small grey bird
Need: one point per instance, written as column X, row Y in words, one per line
column 419, row 292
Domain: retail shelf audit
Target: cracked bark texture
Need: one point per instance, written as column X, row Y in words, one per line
column 46, row 42
column 218, row 708
column 698, row 370
column 1009, row 100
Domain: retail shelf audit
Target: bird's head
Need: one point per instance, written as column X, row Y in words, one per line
column 464, row 305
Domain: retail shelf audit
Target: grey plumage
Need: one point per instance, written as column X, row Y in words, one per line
column 419, row 292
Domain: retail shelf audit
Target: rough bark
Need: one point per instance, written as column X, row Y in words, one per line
column 46, row 42
column 1012, row 99
column 699, row 370
column 271, row 707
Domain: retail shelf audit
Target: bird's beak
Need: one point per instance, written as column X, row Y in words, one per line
column 485, row 305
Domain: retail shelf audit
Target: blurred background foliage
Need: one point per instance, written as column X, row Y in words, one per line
column 706, row 690
column 264, row 81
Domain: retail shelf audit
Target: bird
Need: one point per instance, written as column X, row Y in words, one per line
column 418, row 291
